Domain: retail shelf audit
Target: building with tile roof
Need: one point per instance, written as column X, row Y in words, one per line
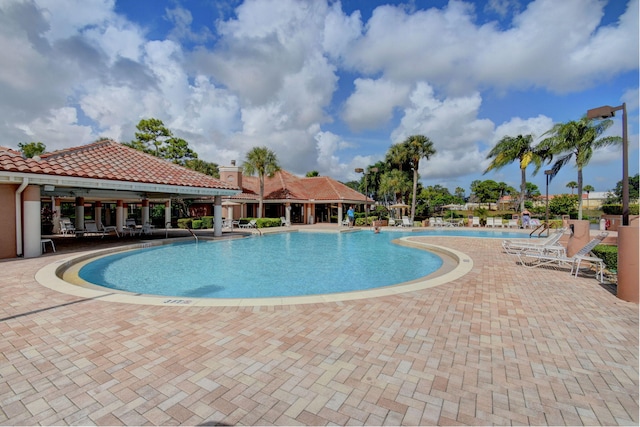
column 103, row 176
column 299, row 200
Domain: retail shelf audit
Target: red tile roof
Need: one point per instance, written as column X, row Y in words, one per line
column 109, row 160
column 284, row 185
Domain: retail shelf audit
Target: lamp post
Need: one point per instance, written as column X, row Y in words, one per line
column 605, row 112
column 547, row 173
column 366, row 190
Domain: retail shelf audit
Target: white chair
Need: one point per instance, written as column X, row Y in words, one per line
column 475, row 221
column 548, row 244
column 284, row 222
column 490, row 221
column 250, row 224
column 147, row 228
column 66, row 226
column 44, row 242
column 345, row 222
column 109, row 228
column 406, row 222
column 513, row 223
column 536, row 258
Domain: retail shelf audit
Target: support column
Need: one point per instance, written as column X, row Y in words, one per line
column 57, row 214
column 217, row 216
column 32, row 221
column 339, row 214
column 145, row 211
column 97, row 214
column 167, row 214
column 119, row 215
column 79, row 213
column 287, row 212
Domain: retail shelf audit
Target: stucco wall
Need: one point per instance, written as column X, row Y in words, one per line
column 7, row 221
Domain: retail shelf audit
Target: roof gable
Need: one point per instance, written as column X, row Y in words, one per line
column 108, row 160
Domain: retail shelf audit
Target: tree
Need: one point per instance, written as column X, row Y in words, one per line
column 459, row 193
column 32, row 149
column 486, row 191
column 311, row 174
column 204, row 167
column 572, row 185
column 563, row 204
column 577, row 139
column 261, row 161
column 634, row 190
column 394, row 182
column 588, row 189
column 155, row 139
column 417, row 147
column 520, row 148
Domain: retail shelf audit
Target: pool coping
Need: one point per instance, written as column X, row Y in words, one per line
column 456, row 264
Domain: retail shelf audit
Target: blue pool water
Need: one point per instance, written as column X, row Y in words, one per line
column 287, row 264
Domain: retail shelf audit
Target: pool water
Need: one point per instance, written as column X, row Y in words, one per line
column 287, row 264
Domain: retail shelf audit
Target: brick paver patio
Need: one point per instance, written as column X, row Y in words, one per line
column 503, row 345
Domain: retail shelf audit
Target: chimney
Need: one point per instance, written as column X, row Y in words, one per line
column 232, row 175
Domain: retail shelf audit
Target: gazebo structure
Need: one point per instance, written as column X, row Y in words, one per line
column 100, row 179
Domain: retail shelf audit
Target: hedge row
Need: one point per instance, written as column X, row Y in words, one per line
column 206, row 222
column 609, row 255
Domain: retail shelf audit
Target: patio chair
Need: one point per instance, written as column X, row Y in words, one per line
column 406, row 222
column 536, row 258
column 548, row 244
column 66, row 226
column 109, row 228
column 432, row 222
column 90, row 227
column 284, row 222
column 490, row 221
column 250, row 224
column 475, row 221
column 513, row 223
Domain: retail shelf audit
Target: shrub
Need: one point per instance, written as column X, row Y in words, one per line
column 615, row 209
column 207, row 222
column 196, row 224
column 268, row 222
column 184, row 223
column 609, row 255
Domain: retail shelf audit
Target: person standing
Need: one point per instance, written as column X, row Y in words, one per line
column 526, row 217
column 351, row 216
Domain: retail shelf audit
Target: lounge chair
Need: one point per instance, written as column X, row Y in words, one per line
column 284, row 222
column 147, row 228
column 475, row 221
column 548, row 244
column 66, row 226
column 406, row 222
column 432, row 222
column 489, row 222
column 109, row 228
column 513, row 223
column 536, row 258
column 90, row 227
column 250, row 224
column 439, row 221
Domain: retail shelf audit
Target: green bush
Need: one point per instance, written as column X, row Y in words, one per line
column 207, row 222
column 184, row 222
column 268, row 222
column 196, row 224
column 609, row 255
column 615, row 209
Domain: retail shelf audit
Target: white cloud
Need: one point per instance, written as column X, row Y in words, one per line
column 372, row 103
column 535, row 126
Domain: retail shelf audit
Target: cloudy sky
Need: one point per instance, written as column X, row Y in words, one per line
column 327, row 85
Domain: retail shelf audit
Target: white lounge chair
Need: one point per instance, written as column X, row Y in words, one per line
column 147, row 228
column 66, row 226
column 489, row 221
column 548, row 244
column 284, row 222
column 345, row 222
column 90, row 227
column 536, row 258
column 513, row 223
column 109, row 228
column 439, row 221
column 250, row 224
column 475, row 221
column 406, row 222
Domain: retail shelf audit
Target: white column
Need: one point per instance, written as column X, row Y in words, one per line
column 145, row 211
column 97, row 213
column 339, row 214
column 287, row 213
column 119, row 215
column 167, row 214
column 32, row 221
column 217, row 216
column 79, row 213
column 57, row 212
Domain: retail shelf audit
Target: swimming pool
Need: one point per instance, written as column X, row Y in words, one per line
column 287, row 264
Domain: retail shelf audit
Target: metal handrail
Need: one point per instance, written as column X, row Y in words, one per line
column 544, row 226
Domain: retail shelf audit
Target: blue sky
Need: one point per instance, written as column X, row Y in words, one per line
column 327, row 85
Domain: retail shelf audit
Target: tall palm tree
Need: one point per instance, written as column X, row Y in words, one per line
column 262, row 161
column 588, row 188
column 417, row 147
column 572, row 185
column 520, row 148
column 394, row 182
column 577, row 139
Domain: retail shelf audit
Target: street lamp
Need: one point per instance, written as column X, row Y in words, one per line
column 605, row 112
column 366, row 190
column 547, row 174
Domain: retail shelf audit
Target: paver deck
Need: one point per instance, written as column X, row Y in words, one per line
column 502, row 345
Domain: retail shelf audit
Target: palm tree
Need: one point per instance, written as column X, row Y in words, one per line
column 262, row 161
column 572, row 185
column 417, row 147
column 577, row 139
column 394, row 182
column 508, row 150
